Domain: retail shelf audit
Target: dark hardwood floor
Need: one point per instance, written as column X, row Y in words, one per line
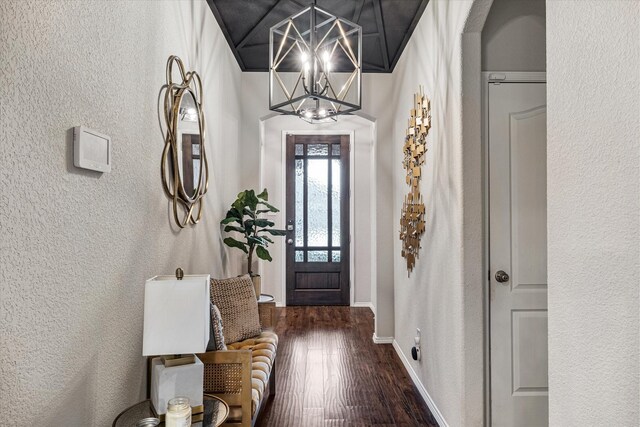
column 330, row 373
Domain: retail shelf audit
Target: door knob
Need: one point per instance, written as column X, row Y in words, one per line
column 290, row 242
column 501, row 276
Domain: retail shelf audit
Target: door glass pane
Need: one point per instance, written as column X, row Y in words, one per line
column 299, row 202
column 318, row 256
column 318, row 150
column 335, row 256
column 299, row 256
column 299, row 149
column 335, row 202
column 335, row 149
column 317, row 202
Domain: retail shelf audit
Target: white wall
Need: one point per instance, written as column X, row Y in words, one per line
column 435, row 298
column 375, row 105
column 76, row 246
column 593, row 87
column 274, row 273
column 513, row 37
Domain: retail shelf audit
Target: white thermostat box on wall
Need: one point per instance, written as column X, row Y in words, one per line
column 91, row 149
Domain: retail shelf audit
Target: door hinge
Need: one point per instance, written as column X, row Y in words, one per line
column 496, row 79
column 489, row 275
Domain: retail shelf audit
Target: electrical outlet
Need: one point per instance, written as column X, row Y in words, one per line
column 415, row 350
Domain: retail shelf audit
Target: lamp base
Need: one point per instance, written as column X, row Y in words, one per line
column 168, row 382
column 178, row 360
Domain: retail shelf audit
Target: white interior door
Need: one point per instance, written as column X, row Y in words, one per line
column 518, row 253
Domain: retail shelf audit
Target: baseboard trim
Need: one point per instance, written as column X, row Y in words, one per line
column 382, row 340
column 280, row 304
column 421, row 388
column 364, row 304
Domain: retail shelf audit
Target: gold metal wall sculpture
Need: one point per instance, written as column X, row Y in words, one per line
column 185, row 172
column 412, row 224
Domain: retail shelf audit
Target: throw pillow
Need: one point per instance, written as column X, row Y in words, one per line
column 216, row 334
column 238, row 306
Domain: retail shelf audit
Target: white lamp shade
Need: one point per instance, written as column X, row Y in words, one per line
column 176, row 315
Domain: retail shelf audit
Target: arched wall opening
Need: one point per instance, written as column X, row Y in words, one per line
column 498, row 35
column 362, row 132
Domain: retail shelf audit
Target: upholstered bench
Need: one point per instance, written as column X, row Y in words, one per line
column 243, row 375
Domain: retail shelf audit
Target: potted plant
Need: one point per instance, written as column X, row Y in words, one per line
column 244, row 218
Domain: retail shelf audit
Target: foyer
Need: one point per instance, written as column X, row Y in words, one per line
column 525, row 289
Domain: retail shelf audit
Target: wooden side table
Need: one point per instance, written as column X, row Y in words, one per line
column 216, row 412
column 266, row 298
column 266, row 310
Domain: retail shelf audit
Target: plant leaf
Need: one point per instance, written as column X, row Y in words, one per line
column 249, row 212
column 274, row 232
column 249, row 225
column 264, row 195
column 240, row 202
column 264, row 223
column 271, row 207
column 229, row 228
column 268, row 239
column 251, row 200
column 230, row 219
column 257, row 240
column 263, row 253
column 233, row 243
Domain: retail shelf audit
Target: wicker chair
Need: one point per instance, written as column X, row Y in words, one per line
column 230, row 375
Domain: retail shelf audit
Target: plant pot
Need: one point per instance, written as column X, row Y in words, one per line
column 257, row 284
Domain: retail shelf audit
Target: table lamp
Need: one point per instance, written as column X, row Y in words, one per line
column 176, row 325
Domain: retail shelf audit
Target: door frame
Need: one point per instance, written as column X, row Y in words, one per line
column 351, row 135
column 487, row 78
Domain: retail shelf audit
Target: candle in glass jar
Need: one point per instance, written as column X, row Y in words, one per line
column 178, row 413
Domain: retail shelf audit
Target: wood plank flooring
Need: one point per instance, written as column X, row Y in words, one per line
column 330, row 373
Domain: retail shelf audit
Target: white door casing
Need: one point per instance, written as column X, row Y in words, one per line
column 518, row 246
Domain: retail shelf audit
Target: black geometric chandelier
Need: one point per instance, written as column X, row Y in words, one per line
column 315, row 66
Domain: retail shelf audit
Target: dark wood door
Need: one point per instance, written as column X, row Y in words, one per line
column 317, row 220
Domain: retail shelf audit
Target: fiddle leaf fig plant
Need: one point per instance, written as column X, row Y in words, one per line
column 244, row 218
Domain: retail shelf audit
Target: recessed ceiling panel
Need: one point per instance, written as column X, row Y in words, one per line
column 386, row 27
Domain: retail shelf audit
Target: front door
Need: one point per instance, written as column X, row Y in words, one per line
column 317, row 220
column 518, row 253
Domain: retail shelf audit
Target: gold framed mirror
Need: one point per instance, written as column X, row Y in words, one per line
column 185, row 171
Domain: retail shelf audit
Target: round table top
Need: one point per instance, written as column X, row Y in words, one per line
column 216, row 412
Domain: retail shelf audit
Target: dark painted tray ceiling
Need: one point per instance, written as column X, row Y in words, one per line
column 386, row 27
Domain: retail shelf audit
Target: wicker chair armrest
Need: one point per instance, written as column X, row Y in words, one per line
column 230, row 379
column 225, row 357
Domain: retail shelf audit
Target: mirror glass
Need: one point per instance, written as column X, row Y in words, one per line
column 189, row 144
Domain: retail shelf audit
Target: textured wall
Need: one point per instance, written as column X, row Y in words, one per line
column 433, row 297
column 76, row 246
column 593, row 180
column 513, row 37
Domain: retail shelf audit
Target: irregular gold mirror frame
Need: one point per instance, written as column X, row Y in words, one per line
column 187, row 208
column 412, row 224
